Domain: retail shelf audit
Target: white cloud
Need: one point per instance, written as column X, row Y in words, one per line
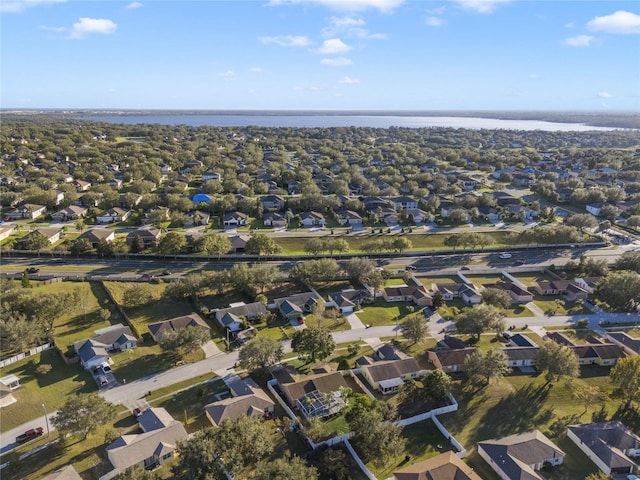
column 228, row 75
column 336, row 62
column 333, row 46
column 86, row 26
column 351, row 27
column 480, row 6
column 286, row 41
column 618, row 22
column 255, row 70
column 18, row 6
column 534, row 76
column 346, row 5
column 436, row 11
column 605, row 95
column 570, row 25
column 434, row 21
column 579, row 41
column 348, row 81
column 133, row 5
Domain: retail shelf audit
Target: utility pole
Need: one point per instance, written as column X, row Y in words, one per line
column 46, row 419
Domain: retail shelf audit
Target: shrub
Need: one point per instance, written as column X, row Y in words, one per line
column 43, row 369
column 344, row 364
column 582, row 323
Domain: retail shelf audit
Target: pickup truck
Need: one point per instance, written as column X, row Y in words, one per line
column 29, row 435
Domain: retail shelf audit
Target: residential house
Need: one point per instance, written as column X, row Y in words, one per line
column 553, row 287
column 516, row 292
column 404, row 202
column 115, row 214
column 52, row 234
column 211, row 175
column 6, row 231
column 315, row 396
column 150, row 449
column 82, row 186
column 519, row 340
column 406, row 293
column 96, row 350
column 446, row 212
column 504, row 199
column 274, row 219
column 467, row 292
column 312, row 219
column 9, row 383
column 523, row 213
column 247, row 398
column 415, row 215
column 595, row 208
column 521, row 456
column 349, row 300
column 28, row 210
column 575, row 292
column 521, row 356
column 95, row 235
column 294, row 306
column 490, row 214
column 160, row 328
column 606, row 354
column 272, row 202
column 128, row 200
column 230, row 322
column 150, row 236
column 388, row 375
column 59, row 197
column 446, row 466
column 587, row 283
column 610, row 445
column 235, row 219
column 239, row 242
column 64, row 473
column 115, row 183
column 349, row 217
column 72, row 212
column 450, row 354
column 630, row 345
column 249, row 311
column 197, row 218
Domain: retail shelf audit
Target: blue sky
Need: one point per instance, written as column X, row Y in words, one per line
column 321, row 54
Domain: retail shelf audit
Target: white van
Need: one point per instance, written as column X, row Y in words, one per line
column 505, row 255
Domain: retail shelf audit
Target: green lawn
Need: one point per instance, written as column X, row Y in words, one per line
column 556, row 305
column 383, row 313
column 145, row 360
column 51, row 389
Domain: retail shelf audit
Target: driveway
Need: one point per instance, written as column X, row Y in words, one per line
column 354, row 321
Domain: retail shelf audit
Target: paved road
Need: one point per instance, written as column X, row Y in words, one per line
column 8, row 438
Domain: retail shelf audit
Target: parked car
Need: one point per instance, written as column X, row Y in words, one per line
column 29, row 435
column 411, row 267
column 147, row 276
column 106, row 368
column 519, row 262
column 33, row 270
column 505, row 255
column 165, row 273
column 102, row 381
column 137, row 412
column 301, row 320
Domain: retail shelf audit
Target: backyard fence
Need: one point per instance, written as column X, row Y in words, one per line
column 25, row 354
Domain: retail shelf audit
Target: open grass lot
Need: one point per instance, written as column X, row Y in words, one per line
column 448, row 310
column 427, row 280
column 423, row 439
column 51, row 389
column 529, row 279
column 325, row 289
column 156, row 310
column 520, row 403
column 383, row 313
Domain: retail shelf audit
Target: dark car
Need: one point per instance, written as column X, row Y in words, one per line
column 29, row 435
column 411, row 267
column 519, row 262
column 33, row 270
column 147, row 276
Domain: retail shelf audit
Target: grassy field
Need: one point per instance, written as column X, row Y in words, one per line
column 448, row 310
column 556, row 305
column 51, row 389
column 156, row 310
column 520, row 403
column 383, row 313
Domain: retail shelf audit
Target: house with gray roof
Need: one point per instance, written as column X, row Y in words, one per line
column 388, row 376
column 96, row 350
column 192, row 320
column 149, row 449
column 294, row 306
column 630, row 345
column 521, row 456
column 247, row 398
column 95, row 235
column 610, row 445
column 446, row 466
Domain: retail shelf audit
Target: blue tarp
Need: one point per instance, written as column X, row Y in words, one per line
column 201, row 197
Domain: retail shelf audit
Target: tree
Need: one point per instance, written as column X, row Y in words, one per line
column 242, row 441
column 334, row 464
column 401, row 244
column 261, row 244
column 375, row 438
column 137, row 245
column 25, row 282
column 285, row 468
column 136, row 473
column 584, row 393
column 136, row 294
column 478, row 319
column 184, row 339
column 80, row 247
column 496, row 297
column 437, row 384
column 264, row 276
column 557, row 361
column 33, row 241
column 358, row 268
column 626, row 376
column 620, row 290
column 438, row 299
column 313, row 343
column 104, row 248
column 415, row 328
column 82, row 413
column 315, row 246
column 212, row 244
column 198, row 457
column 628, row 261
column 493, row 364
column 172, row 243
column 581, row 221
column 260, row 353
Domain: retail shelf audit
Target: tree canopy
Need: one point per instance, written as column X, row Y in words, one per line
column 82, row 414
column 313, row 343
column 260, row 353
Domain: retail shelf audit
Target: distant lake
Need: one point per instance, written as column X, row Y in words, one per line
column 327, row 121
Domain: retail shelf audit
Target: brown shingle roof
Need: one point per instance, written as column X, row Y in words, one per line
column 446, row 466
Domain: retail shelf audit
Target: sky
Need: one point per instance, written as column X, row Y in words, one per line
column 321, row 54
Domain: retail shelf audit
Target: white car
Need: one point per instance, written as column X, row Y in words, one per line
column 505, row 255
